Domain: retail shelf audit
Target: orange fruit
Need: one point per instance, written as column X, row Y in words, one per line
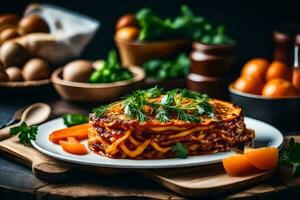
column 279, row 88
column 278, row 70
column 263, row 158
column 238, row 165
column 248, row 85
column 256, row 68
column 127, row 33
column 126, row 21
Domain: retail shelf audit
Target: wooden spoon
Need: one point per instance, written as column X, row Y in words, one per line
column 34, row 114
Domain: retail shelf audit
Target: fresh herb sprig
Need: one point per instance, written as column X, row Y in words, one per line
column 180, row 150
column 26, row 133
column 182, row 104
column 72, row 119
column 291, row 156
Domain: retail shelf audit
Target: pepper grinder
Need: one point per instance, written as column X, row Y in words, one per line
column 296, row 70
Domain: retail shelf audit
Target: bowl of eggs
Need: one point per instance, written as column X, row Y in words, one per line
column 265, row 91
column 20, row 72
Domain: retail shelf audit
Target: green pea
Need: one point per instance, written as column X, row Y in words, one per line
column 95, row 77
column 106, row 72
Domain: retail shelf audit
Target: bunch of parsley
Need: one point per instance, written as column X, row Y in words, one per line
column 26, row 133
column 291, row 156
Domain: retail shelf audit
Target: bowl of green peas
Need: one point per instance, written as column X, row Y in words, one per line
column 100, row 81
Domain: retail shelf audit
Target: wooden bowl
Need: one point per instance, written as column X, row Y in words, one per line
column 137, row 53
column 24, row 88
column 280, row 112
column 96, row 92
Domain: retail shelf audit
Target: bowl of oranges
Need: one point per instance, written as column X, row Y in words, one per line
column 266, row 92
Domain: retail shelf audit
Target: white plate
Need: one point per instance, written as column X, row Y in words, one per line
column 266, row 135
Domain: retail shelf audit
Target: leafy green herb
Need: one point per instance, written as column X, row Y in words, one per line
column 291, row 156
column 26, row 133
column 101, row 110
column 111, row 70
column 180, row 150
column 168, row 69
column 73, row 119
column 142, row 104
column 185, row 25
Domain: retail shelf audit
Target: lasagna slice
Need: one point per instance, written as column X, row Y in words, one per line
column 200, row 125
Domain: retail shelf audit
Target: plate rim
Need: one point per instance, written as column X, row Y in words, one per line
column 145, row 166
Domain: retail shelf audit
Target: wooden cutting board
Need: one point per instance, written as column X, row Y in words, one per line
column 42, row 166
column 204, row 180
column 196, row 181
column 45, row 167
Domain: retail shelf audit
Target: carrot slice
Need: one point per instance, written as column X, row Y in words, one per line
column 73, row 148
column 238, row 165
column 72, row 140
column 79, row 132
column 263, row 158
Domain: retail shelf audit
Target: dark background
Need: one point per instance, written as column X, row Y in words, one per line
column 250, row 23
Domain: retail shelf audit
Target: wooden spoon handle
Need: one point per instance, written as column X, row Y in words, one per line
column 4, row 133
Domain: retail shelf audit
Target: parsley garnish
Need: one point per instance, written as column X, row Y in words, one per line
column 73, row 119
column 180, row 150
column 180, row 104
column 100, row 111
column 291, row 156
column 26, row 133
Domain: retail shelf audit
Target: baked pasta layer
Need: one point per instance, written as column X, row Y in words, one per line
column 117, row 136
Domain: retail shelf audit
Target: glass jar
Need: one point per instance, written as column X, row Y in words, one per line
column 283, row 49
column 209, row 65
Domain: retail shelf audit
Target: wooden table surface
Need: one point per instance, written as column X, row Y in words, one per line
column 17, row 181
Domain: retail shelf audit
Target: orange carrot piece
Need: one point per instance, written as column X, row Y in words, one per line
column 238, row 165
column 79, row 132
column 263, row 158
column 73, row 148
column 72, row 140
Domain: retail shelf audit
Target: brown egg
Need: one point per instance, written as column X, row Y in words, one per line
column 278, row 70
column 2, row 67
column 33, row 24
column 8, row 21
column 279, row 88
column 9, row 33
column 13, row 53
column 14, row 74
column 4, row 77
column 35, row 69
column 125, row 21
column 78, row 71
column 256, row 68
column 98, row 64
column 127, row 34
column 248, row 85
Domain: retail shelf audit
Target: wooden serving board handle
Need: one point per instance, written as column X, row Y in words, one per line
column 203, row 180
column 42, row 166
